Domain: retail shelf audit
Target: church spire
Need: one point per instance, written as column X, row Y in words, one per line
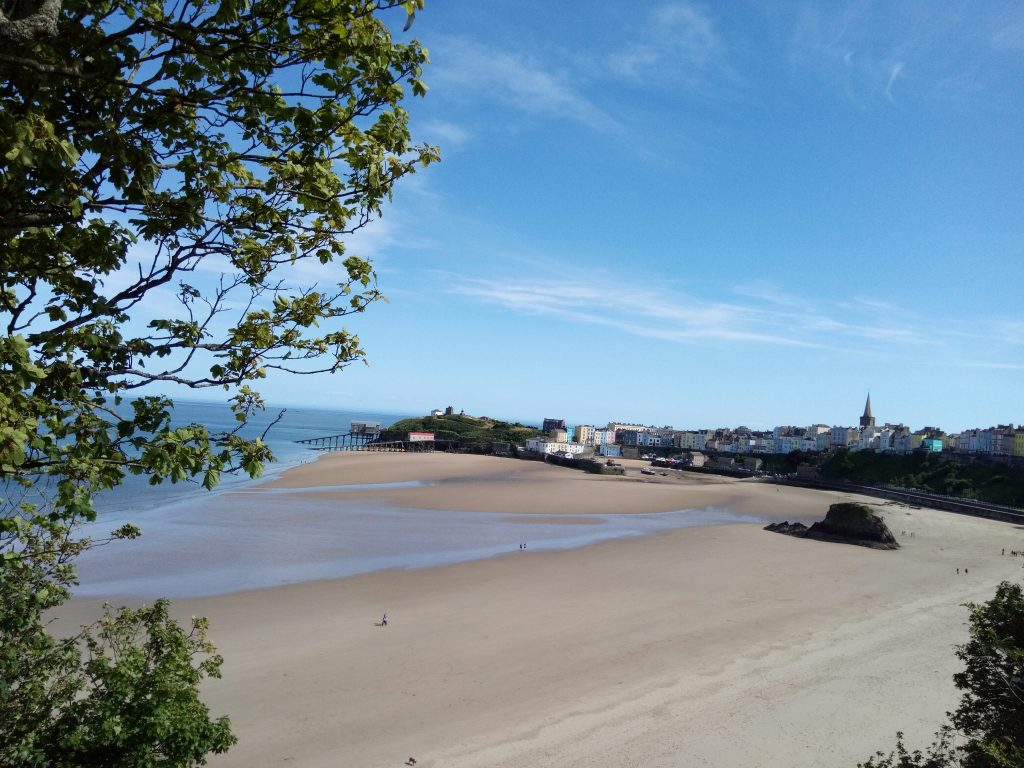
column 867, row 420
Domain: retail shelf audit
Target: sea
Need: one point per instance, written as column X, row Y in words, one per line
column 239, row 536
column 287, row 426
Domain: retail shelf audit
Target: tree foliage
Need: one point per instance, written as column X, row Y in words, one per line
column 940, row 754
column 991, row 712
column 990, row 716
column 176, row 185
column 987, row 480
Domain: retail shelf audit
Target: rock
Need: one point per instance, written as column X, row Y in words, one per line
column 790, row 529
column 851, row 523
column 846, row 523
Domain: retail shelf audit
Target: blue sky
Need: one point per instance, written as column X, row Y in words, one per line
column 705, row 215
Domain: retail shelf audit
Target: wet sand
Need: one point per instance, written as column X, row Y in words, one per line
column 716, row 646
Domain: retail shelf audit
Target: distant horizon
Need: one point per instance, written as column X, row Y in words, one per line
column 536, row 422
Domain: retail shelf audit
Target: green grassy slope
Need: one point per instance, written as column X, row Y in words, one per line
column 472, row 431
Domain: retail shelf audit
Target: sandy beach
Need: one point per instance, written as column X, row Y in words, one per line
column 712, row 646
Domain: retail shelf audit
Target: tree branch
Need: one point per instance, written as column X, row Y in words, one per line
column 28, row 22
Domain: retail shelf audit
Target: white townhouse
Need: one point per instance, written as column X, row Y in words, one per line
column 658, row 438
column 845, row 437
column 547, row 445
column 817, row 437
column 967, row 441
column 878, row 439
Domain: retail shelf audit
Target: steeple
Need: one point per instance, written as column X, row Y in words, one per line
column 867, row 420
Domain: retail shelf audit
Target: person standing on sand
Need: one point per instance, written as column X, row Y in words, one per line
column 384, row 621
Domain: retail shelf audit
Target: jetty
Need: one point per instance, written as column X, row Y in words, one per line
column 365, row 436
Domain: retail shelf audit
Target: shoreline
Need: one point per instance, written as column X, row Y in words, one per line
column 476, row 483
column 348, row 514
column 718, row 645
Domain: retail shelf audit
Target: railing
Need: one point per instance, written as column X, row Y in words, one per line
column 355, row 441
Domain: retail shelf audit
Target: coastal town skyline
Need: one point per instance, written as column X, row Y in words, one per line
column 866, row 435
column 765, row 424
column 688, row 213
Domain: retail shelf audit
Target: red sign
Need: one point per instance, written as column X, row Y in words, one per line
column 420, row 437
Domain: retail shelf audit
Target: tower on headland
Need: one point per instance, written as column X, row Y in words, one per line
column 867, row 420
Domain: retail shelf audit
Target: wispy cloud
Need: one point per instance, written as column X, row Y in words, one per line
column 1009, row 331
column 768, row 292
column 894, row 72
column 634, row 311
column 468, row 70
column 754, row 313
column 880, row 50
column 675, row 43
column 444, row 133
column 995, row 366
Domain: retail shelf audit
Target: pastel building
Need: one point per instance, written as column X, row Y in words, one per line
column 585, row 434
column 693, row 440
column 617, row 426
column 1017, row 442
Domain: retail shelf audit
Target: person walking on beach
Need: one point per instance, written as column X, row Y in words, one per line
column 384, row 621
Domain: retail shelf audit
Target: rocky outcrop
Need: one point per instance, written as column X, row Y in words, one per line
column 846, row 523
column 790, row 529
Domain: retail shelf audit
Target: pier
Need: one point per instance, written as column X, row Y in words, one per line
column 365, row 436
column 349, row 441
